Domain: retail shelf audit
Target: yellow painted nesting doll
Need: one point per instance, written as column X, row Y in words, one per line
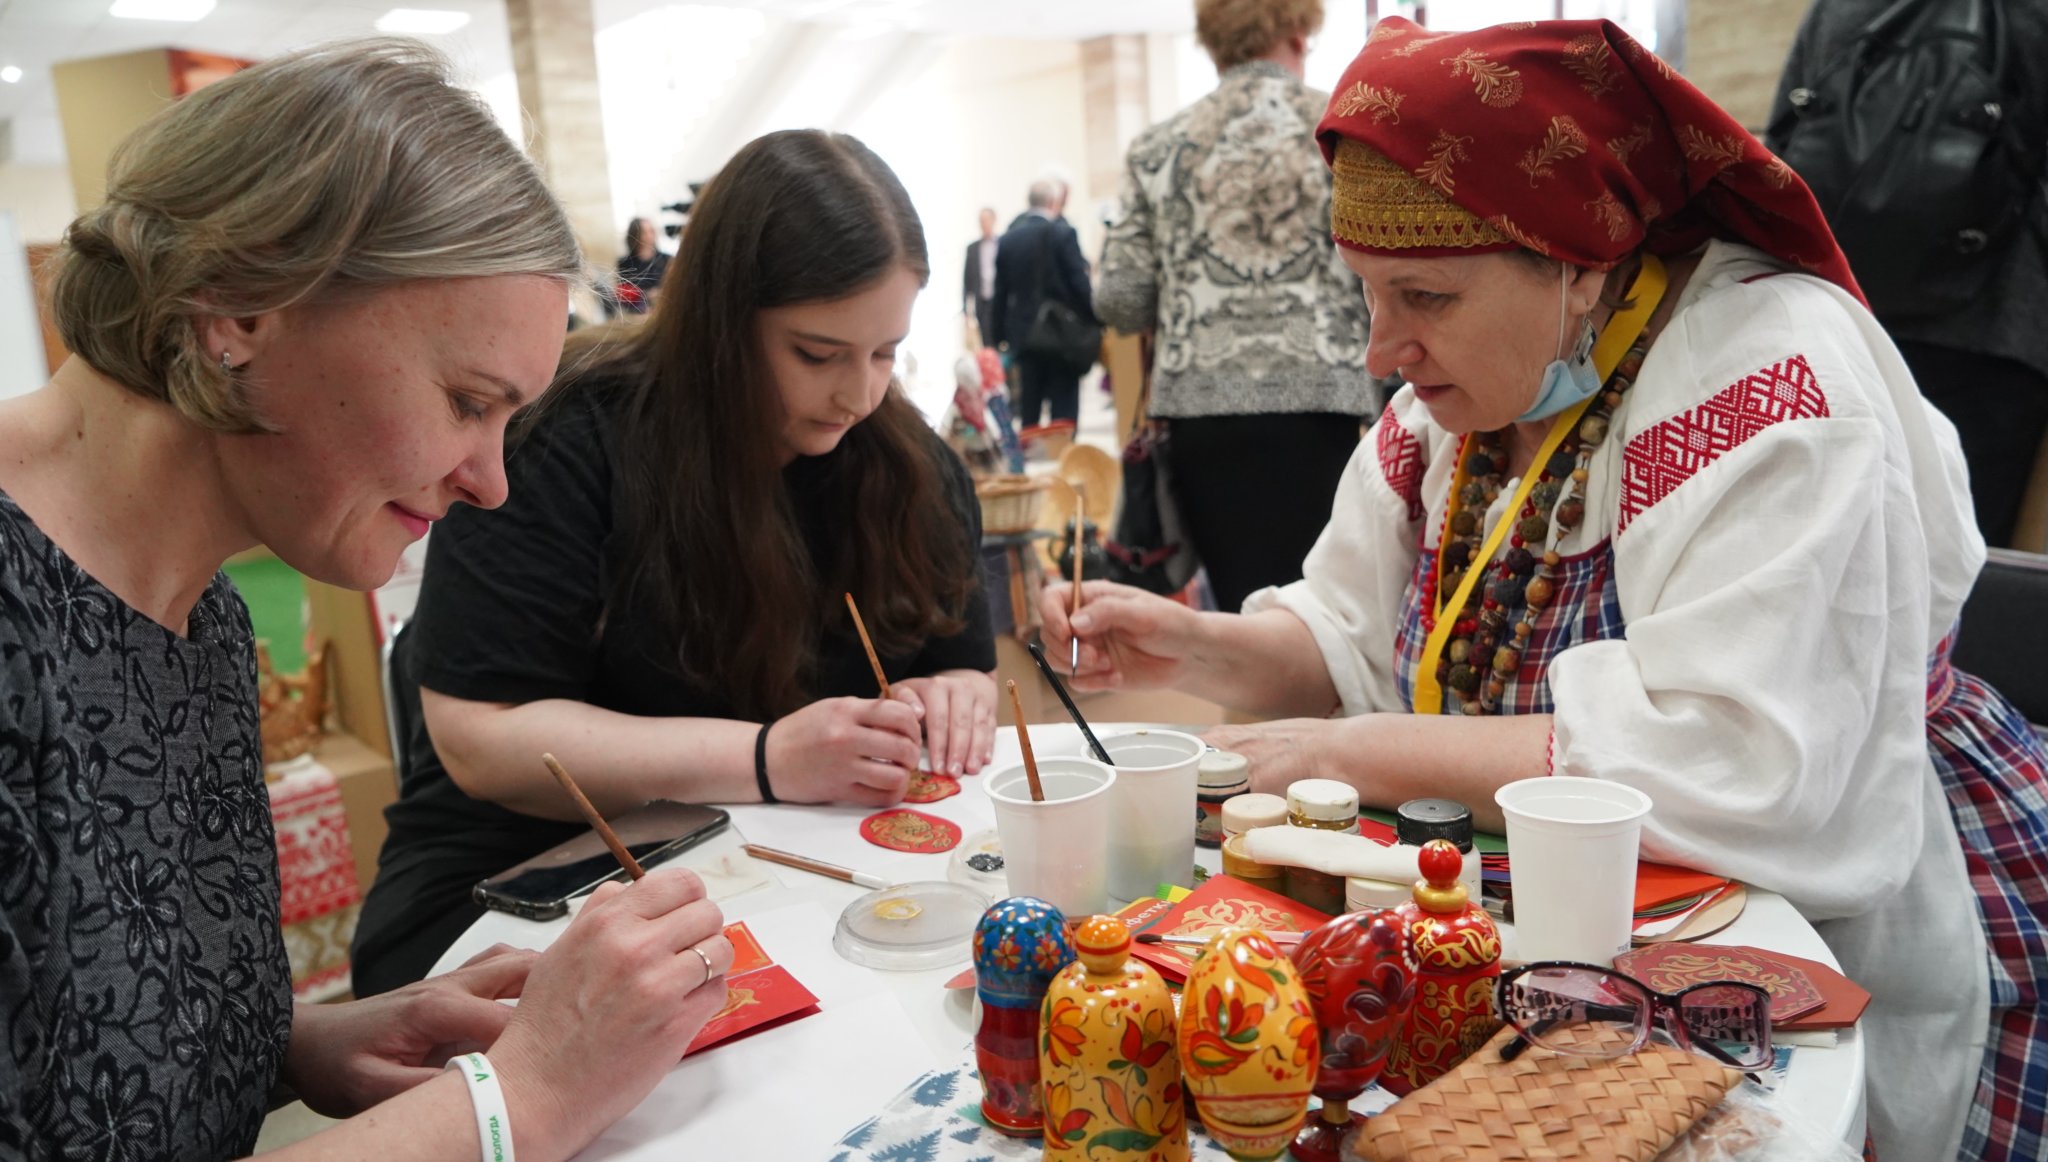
column 1248, row 1044
column 1105, row 1057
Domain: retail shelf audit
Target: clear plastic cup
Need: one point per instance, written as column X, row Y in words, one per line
column 1057, row 850
column 1154, row 808
column 1572, row 865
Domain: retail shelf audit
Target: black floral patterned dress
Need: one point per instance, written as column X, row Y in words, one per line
column 144, row 993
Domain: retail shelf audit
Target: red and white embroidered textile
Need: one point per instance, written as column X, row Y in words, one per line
column 1400, row 461
column 316, row 876
column 1666, row 456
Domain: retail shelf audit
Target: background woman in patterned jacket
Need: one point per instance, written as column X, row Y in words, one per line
column 1714, row 555
column 291, row 328
column 1222, row 250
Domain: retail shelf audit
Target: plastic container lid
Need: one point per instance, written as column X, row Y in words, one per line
column 1244, row 812
column 929, row 924
column 1361, row 893
column 1222, row 770
column 1324, row 799
column 1420, row 820
column 978, row 863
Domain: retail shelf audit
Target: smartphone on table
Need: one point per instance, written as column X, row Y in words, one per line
column 541, row 887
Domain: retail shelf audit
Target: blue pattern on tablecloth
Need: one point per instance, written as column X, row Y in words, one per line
column 938, row 1119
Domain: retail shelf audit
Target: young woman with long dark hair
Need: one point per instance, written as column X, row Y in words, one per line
column 660, row 601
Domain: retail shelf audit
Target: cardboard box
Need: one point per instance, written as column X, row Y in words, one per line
column 346, row 620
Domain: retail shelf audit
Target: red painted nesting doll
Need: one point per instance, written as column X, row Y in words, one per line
column 1360, row 975
column 1457, row 957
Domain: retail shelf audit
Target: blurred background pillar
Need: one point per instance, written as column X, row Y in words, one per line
column 554, row 57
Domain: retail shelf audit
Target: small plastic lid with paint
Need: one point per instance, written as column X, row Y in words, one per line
column 928, row 924
column 978, row 863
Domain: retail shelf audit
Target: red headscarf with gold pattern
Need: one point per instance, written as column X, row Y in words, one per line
column 1563, row 136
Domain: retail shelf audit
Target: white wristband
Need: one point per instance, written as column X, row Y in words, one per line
column 493, row 1122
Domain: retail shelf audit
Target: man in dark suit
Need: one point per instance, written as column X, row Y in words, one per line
column 978, row 280
column 1039, row 258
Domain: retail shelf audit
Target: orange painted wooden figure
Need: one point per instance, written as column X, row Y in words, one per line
column 1112, row 1082
column 1248, row 1044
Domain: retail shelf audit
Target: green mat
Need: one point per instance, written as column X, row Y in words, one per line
column 276, row 594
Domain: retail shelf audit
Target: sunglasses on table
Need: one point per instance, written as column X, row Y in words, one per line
column 1588, row 1011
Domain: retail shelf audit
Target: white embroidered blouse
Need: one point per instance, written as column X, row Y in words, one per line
column 1792, row 537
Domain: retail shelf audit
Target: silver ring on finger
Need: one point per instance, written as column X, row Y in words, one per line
column 708, row 973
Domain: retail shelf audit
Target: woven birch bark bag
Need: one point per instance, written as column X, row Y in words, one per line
column 1545, row 1105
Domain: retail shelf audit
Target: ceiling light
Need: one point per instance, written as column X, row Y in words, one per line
column 421, row 21
column 10, row 74
column 185, row 10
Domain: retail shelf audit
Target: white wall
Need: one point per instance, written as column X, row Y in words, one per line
column 21, row 337
column 965, row 122
column 973, row 129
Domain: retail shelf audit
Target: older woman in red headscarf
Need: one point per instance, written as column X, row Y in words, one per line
column 1660, row 504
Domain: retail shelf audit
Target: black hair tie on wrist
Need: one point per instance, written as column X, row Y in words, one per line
column 761, row 765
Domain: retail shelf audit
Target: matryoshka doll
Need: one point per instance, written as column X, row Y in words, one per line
column 1248, row 1044
column 1019, row 946
column 1360, row 975
column 1112, row 1082
column 1457, row 958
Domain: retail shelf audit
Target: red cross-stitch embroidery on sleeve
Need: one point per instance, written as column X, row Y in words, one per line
column 1666, row 456
column 1401, row 461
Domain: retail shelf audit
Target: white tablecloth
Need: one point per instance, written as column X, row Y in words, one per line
column 792, row 1091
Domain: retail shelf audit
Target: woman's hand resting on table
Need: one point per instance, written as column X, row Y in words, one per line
column 345, row 1058
column 1130, row 639
column 845, row 750
column 958, row 708
column 609, row 1008
column 1284, row 750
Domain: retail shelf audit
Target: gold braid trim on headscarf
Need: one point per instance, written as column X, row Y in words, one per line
column 1377, row 205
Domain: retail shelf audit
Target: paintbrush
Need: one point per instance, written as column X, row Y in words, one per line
column 868, row 643
column 1067, row 700
column 597, row 822
column 1074, row 639
column 805, row 863
column 1024, row 741
column 1281, row 939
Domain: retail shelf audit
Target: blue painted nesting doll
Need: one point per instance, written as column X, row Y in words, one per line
column 1019, row 946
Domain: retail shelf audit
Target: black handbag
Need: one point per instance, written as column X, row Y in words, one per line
column 1150, row 548
column 1907, row 142
column 1059, row 333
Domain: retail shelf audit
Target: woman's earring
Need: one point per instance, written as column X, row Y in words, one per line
column 227, row 364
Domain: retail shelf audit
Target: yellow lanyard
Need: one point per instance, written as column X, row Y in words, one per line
column 1614, row 342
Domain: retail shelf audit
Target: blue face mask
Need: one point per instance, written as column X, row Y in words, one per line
column 1565, row 381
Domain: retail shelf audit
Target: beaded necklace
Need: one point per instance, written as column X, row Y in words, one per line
column 1476, row 654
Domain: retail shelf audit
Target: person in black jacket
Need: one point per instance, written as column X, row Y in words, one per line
column 641, row 268
column 1039, row 258
column 1986, row 366
column 978, row 279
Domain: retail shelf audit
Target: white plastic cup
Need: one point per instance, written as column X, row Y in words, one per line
column 1572, row 864
column 1057, row 850
column 1153, row 809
